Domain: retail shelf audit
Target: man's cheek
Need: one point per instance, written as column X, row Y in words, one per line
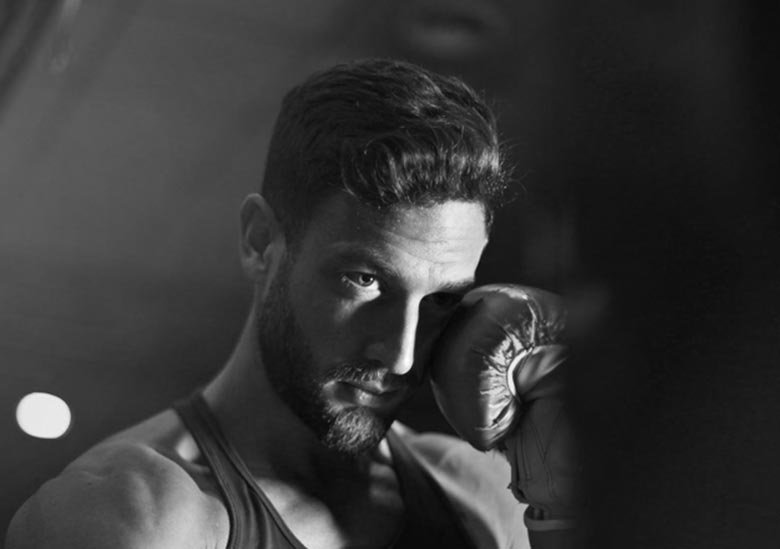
column 429, row 330
column 331, row 332
column 428, row 334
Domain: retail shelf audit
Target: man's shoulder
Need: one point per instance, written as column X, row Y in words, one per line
column 475, row 482
column 122, row 494
column 443, row 451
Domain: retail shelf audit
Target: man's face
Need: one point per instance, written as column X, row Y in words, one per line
column 349, row 321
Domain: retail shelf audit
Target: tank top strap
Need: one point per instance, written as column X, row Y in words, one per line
column 254, row 522
column 201, row 426
column 431, row 519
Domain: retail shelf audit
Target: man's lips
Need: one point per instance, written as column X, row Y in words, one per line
column 371, row 395
column 374, row 388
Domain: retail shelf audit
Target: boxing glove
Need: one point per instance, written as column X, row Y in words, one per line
column 497, row 376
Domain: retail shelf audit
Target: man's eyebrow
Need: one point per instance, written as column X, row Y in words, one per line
column 457, row 287
column 371, row 258
column 374, row 260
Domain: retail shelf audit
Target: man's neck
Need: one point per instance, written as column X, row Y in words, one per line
column 325, row 499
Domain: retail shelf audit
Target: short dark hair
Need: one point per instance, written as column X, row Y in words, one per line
column 386, row 132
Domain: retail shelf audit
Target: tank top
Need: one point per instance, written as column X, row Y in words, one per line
column 430, row 520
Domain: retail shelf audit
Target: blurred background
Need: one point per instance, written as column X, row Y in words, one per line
column 644, row 138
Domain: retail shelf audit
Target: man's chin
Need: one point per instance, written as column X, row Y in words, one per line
column 355, row 431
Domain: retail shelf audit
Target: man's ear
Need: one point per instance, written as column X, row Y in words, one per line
column 262, row 239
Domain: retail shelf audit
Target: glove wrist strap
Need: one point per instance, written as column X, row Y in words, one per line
column 533, row 520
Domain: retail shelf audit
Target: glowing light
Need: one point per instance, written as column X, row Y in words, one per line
column 42, row 415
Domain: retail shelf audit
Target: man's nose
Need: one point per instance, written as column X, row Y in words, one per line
column 395, row 338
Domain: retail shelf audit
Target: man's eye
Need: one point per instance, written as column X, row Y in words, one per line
column 363, row 280
column 444, row 300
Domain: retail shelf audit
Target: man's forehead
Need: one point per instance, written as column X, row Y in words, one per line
column 450, row 223
column 417, row 249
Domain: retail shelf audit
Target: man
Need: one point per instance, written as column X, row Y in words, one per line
column 378, row 195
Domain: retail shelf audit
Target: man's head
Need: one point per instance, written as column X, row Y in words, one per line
column 385, row 132
column 378, row 197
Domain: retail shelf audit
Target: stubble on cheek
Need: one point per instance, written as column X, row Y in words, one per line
column 293, row 374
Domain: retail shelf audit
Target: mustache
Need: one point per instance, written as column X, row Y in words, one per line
column 366, row 371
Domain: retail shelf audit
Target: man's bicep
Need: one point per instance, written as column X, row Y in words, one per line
column 134, row 499
column 76, row 509
column 25, row 527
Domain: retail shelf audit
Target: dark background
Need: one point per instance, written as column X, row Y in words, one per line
column 645, row 143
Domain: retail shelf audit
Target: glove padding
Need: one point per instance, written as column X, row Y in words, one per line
column 542, row 453
column 497, row 378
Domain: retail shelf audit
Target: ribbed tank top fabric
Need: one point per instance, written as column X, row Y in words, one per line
column 430, row 519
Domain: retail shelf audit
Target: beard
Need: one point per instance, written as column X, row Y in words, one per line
column 293, row 375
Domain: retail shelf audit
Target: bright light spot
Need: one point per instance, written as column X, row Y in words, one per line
column 42, row 415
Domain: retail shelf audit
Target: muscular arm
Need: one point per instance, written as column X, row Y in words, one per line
column 123, row 496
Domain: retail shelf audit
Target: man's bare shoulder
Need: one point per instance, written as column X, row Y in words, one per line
column 476, row 483
column 120, row 494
